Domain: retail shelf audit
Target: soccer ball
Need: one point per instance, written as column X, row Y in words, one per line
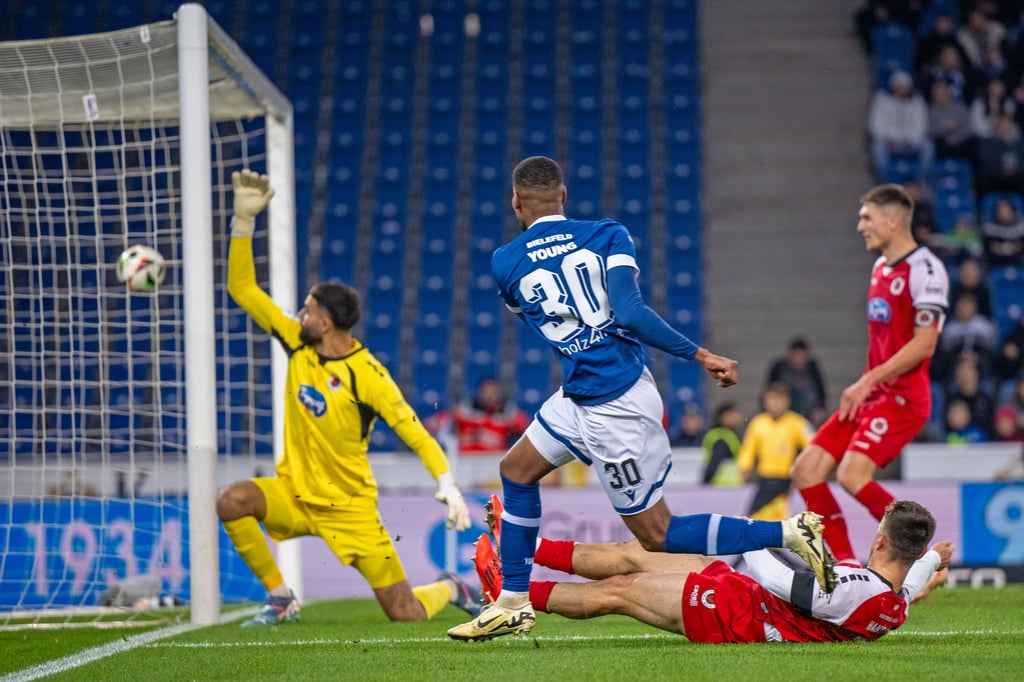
column 141, row 267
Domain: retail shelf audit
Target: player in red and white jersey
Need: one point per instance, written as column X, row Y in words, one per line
column 709, row 602
column 889, row 404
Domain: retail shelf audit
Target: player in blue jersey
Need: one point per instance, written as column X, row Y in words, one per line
column 574, row 282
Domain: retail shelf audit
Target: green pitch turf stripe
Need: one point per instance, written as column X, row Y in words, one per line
column 66, row 663
column 549, row 638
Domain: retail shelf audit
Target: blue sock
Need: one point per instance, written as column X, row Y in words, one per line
column 712, row 534
column 519, row 527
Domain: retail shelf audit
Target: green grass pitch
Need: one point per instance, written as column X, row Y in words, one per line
column 960, row 633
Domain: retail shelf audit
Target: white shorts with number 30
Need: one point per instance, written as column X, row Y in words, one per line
column 623, row 439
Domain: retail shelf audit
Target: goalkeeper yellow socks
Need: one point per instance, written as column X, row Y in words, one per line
column 433, row 597
column 247, row 537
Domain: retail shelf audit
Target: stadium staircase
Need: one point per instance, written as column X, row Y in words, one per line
column 784, row 165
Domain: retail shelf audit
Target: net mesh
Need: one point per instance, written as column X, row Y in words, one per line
column 93, row 467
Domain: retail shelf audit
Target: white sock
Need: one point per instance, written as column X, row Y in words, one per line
column 512, row 600
column 281, row 590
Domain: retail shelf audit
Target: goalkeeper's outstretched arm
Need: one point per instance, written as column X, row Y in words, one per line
column 252, row 193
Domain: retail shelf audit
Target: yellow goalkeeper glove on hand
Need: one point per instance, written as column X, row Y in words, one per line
column 252, row 192
column 448, row 493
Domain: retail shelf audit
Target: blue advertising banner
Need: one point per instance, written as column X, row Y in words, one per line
column 67, row 552
column 993, row 522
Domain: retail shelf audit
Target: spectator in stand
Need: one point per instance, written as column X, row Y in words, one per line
column 941, row 35
column 959, row 244
column 721, row 446
column 986, row 110
column 877, row 13
column 971, row 280
column 485, row 423
column 960, row 430
column 924, row 213
column 949, row 69
column 1006, row 428
column 898, row 124
column 1016, row 401
column 966, row 334
column 951, row 246
column 994, row 65
column 999, row 164
column 1009, row 362
column 691, row 428
column 977, row 33
column 800, row 372
column 949, row 124
column 1006, row 12
column 1015, row 86
column 773, row 440
column 1003, row 237
column 967, row 386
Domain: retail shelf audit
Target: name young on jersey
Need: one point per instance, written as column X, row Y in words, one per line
column 538, row 249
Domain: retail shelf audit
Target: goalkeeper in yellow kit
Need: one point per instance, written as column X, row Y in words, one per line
column 324, row 486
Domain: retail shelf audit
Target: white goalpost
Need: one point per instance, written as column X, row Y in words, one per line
column 121, row 413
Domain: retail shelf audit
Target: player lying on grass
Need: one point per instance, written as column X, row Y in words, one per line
column 709, row 602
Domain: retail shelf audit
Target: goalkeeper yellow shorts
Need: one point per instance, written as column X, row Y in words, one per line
column 358, row 538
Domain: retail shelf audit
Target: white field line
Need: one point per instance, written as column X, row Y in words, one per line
column 85, row 656
column 546, row 638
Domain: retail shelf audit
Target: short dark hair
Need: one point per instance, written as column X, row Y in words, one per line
column 910, row 528
column 890, row 196
column 537, row 172
column 722, row 409
column 341, row 302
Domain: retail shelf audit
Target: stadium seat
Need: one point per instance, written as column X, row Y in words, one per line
column 1007, row 296
column 893, row 50
column 989, row 201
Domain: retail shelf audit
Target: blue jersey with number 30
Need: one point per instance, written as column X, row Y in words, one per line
column 554, row 275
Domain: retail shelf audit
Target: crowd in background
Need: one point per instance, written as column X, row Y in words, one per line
column 958, row 94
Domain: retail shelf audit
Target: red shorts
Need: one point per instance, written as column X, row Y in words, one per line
column 721, row 605
column 882, row 429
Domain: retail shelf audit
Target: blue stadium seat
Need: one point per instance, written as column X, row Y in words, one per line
column 899, row 170
column 951, row 207
column 383, row 439
column 893, row 50
column 1007, row 296
column 989, row 201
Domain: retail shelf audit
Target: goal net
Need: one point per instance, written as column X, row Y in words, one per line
column 108, row 474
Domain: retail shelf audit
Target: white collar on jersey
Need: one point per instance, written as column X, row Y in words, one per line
column 547, row 219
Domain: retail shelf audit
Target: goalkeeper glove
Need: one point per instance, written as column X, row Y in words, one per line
column 252, row 192
column 448, row 493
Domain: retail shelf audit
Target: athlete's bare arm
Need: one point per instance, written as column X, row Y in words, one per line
column 920, row 347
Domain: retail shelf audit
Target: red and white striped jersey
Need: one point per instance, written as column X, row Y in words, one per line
column 862, row 606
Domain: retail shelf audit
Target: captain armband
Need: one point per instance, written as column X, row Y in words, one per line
column 929, row 317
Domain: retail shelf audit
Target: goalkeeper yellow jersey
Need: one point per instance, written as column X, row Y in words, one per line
column 774, row 443
column 330, row 406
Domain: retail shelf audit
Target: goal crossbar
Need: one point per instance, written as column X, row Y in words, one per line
column 44, row 82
